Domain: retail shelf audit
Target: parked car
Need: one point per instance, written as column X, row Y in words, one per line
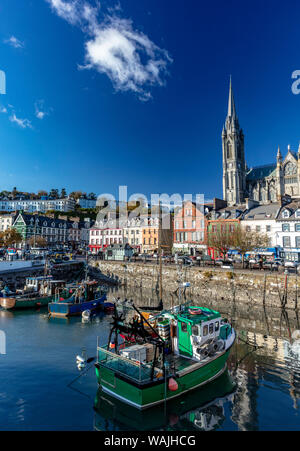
column 219, row 261
column 185, row 260
column 56, row 261
column 227, row 265
column 271, row 265
column 289, row 264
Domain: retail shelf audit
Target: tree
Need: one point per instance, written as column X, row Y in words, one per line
column 42, row 193
column 54, row 193
column 245, row 241
column 76, row 195
column 221, row 240
column 63, row 193
column 10, row 237
column 37, row 241
column 92, row 196
column 14, row 193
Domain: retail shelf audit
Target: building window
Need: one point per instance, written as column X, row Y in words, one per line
column 297, row 227
column 285, row 227
column 286, row 214
column 298, row 242
column 258, row 228
column 286, row 240
column 268, row 228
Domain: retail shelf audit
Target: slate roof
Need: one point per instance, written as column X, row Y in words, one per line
column 234, row 212
column 261, row 172
column 261, row 212
column 292, row 207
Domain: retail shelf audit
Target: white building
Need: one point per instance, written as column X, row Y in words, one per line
column 132, row 233
column 104, row 234
column 262, row 219
column 38, row 205
column 6, row 222
column 288, row 230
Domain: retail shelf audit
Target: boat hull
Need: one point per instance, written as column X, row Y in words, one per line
column 156, row 392
column 26, row 303
column 66, row 309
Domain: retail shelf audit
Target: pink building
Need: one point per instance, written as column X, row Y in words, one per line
column 189, row 229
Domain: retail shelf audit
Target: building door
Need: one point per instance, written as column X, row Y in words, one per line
column 184, row 338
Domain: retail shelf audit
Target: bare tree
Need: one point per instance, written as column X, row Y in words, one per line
column 221, row 240
column 245, row 241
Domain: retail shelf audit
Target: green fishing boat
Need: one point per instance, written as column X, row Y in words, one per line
column 202, row 409
column 37, row 292
column 151, row 359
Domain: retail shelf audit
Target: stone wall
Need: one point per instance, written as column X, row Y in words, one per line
column 251, row 288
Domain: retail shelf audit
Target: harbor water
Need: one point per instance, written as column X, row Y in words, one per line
column 40, row 387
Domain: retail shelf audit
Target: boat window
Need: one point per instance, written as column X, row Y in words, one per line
column 211, row 328
column 195, row 330
column 184, row 327
column 217, row 326
column 205, row 331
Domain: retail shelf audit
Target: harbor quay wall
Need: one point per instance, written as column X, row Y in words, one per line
column 249, row 288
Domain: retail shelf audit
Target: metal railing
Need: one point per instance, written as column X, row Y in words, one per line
column 131, row 369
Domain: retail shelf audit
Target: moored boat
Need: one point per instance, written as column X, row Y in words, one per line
column 87, row 295
column 201, row 409
column 37, row 292
column 181, row 349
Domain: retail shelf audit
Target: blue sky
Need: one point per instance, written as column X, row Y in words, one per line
column 150, row 115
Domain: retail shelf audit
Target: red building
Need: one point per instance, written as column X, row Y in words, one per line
column 189, row 229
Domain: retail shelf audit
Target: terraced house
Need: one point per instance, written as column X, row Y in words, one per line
column 55, row 231
column 189, row 229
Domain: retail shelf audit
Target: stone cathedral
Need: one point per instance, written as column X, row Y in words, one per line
column 263, row 184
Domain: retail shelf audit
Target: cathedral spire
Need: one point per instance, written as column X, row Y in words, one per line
column 279, row 156
column 231, row 104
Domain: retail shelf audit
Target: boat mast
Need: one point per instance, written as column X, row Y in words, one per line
column 160, row 251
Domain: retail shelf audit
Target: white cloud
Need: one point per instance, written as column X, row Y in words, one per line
column 112, row 47
column 23, row 123
column 3, row 109
column 14, row 42
column 40, row 111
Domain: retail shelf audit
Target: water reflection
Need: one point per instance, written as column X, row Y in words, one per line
column 202, row 409
column 264, row 363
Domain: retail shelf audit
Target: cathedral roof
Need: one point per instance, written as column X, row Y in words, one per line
column 261, row 172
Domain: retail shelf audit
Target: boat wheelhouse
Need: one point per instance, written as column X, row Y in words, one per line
column 164, row 356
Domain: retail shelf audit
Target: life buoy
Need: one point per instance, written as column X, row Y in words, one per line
column 195, row 311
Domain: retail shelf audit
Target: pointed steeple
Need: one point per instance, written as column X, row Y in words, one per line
column 232, row 122
column 279, row 156
column 231, row 104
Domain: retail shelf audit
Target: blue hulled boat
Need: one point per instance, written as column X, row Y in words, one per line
column 86, row 296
